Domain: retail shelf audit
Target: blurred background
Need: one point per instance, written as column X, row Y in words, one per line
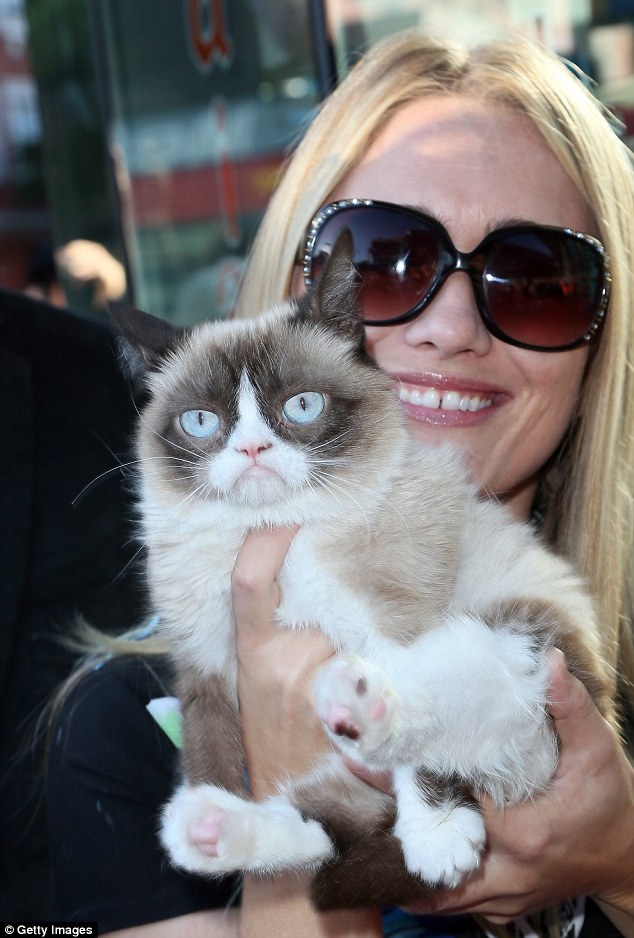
column 140, row 139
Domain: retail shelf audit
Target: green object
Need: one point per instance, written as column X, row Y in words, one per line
column 167, row 713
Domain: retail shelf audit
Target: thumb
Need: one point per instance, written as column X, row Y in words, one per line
column 570, row 704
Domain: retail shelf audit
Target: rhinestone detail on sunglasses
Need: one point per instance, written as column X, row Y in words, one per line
column 463, row 261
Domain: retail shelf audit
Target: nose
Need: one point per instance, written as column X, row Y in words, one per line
column 253, row 448
column 451, row 323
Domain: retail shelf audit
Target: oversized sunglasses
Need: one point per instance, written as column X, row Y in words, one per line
column 535, row 287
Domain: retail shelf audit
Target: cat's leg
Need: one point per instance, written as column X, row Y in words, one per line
column 471, row 703
column 212, row 746
column 244, row 835
column 211, row 757
column 439, row 825
column 367, row 866
column 262, row 837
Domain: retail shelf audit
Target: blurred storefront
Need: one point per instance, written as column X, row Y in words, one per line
column 24, row 221
column 164, row 123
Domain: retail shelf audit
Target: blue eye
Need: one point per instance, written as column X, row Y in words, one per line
column 304, row 407
column 199, row 423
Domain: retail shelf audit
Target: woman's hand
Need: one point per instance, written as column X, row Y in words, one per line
column 575, row 839
column 281, row 731
column 281, row 736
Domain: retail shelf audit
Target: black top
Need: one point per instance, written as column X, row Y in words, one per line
column 67, row 414
column 111, row 768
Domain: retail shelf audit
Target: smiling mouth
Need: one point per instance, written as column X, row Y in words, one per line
column 436, row 399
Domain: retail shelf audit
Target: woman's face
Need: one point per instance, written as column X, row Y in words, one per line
column 474, row 167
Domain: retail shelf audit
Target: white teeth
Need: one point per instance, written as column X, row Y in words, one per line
column 451, row 400
column 429, row 398
column 444, row 400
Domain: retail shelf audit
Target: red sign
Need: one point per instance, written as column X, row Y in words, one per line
column 209, row 37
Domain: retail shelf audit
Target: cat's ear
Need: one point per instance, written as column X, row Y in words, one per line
column 335, row 296
column 143, row 339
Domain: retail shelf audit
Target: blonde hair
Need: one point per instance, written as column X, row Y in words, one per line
column 590, row 518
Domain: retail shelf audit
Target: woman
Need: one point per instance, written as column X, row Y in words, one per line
column 504, row 137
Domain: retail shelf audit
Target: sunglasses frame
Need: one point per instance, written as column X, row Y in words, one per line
column 453, row 260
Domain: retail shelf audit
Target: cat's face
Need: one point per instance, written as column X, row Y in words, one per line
column 285, row 410
column 259, row 413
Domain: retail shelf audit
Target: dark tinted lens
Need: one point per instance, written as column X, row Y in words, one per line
column 397, row 256
column 542, row 288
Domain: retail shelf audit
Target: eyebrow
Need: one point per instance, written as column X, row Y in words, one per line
column 512, row 222
column 519, row 221
column 495, row 226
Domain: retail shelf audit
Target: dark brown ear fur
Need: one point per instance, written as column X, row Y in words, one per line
column 144, row 339
column 333, row 299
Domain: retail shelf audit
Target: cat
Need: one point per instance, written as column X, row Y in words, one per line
column 440, row 605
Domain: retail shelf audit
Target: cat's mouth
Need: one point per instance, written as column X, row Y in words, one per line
column 259, row 485
column 258, row 473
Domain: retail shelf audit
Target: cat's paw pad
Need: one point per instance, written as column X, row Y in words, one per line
column 444, row 852
column 196, row 829
column 208, row 830
column 356, row 704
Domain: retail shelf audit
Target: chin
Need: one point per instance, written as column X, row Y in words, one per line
column 260, row 492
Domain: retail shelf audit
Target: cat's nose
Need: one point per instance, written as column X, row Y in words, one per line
column 254, row 449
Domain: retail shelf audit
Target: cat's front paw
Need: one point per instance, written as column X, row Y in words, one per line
column 190, row 808
column 447, row 848
column 239, row 835
column 358, row 708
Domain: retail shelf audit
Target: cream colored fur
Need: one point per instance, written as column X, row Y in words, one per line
column 439, row 605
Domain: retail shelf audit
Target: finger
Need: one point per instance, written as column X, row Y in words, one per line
column 559, row 689
column 494, row 895
column 254, row 587
column 471, row 896
column 577, row 719
column 380, row 780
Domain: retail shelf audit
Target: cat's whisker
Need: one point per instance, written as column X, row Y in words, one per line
column 364, row 488
column 165, row 456
column 131, row 561
column 158, row 471
column 343, row 480
column 122, row 469
column 167, row 463
column 331, row 441
column 163, row 524
column 323, row 484
column 359, row 485
column 182, row 469
column 330, row 484
column 100, row 478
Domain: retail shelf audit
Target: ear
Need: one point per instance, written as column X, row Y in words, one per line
column 335, row 297
column 144, row 340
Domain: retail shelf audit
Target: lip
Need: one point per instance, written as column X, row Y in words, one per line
column 466, row 386
column 258, row 472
